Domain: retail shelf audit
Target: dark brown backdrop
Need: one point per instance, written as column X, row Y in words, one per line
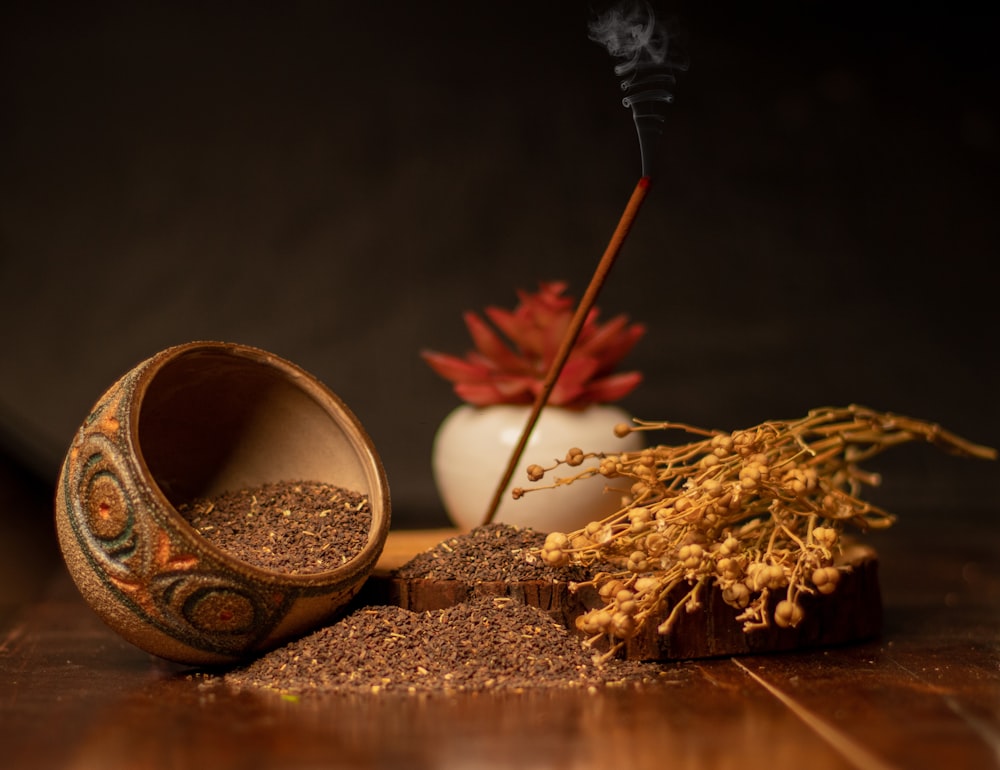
column 337, row 182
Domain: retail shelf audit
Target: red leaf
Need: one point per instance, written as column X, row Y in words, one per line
column 488, row 394
column 572, row 382
column 510, row 362
column 490, row 344
column 611, row 388
column 455, row 369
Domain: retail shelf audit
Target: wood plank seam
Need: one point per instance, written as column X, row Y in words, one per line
column 851, row 750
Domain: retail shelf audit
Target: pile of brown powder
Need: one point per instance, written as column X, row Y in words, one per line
column 295, row 527
column 488, row 644
column 488, row 553
column 485, row 644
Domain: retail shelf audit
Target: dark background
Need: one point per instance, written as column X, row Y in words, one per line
column 337, row 182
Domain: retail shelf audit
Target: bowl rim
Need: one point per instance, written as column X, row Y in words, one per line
column 379, row 501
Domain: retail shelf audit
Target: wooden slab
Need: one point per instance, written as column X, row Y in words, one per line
column 853, row 613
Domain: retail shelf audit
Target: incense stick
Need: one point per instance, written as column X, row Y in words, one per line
column 569, row 339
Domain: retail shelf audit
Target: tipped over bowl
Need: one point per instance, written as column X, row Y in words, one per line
column 193, row 421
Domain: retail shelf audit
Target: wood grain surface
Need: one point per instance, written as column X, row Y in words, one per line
column 924, row 694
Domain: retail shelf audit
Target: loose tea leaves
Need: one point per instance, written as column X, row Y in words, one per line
column 489, row 553
column 494, row 644
column 294, row 527
column 488, row 644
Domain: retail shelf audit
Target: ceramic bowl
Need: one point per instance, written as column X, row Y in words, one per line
column 192, row 421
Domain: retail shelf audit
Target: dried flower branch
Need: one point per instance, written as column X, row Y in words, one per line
column 756, row 513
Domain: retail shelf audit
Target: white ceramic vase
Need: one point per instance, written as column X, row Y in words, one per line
column 473, row 447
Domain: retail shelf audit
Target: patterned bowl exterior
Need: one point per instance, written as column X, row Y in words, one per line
column 147, row 572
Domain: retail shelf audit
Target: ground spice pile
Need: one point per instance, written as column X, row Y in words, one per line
column 489, row 553
column 488, row 644
column 294, row 527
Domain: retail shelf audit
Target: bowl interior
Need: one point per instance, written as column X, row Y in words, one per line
column 221, row 418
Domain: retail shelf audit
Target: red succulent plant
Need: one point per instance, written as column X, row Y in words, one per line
column 513, row 370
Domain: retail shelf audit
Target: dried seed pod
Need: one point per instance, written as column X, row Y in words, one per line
column 825, row 579
column 788, row 614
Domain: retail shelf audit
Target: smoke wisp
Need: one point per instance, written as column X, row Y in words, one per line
column 631, row 33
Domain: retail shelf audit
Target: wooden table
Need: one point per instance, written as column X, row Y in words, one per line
column 925, row 695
